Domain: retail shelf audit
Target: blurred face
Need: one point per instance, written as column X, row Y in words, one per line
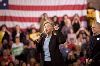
column 48, row 28
column 32, row 45
column 95, row 28
column 4, row 28
column 11, row 64
column 45, row 15
column 5, row 53
column 56, row 27
column 17, row 40
column 55, row 18
column 32, row 61
column 90, row 4
column 42, row 16
column 3, row 63
column 17, row 27
column 65, row 17
column 80, row 36
column 33, row 30
column 23, row 64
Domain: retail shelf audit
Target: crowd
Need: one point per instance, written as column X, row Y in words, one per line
column 19, row 47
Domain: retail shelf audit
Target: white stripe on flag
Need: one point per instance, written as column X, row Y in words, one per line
column 23, row 25
column 58, row 13
column 47, row 2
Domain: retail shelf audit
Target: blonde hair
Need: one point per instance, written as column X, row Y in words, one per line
column 48, row 22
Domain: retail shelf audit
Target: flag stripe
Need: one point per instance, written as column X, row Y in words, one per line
column 26, row 19
column 23, row 25
column 47, row 2
column 27, row 12
column 47, row 8
column 58, row 13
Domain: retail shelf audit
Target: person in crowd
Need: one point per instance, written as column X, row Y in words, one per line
column 55, row 19
column 76, row 23
column 4, row 35
column 71, row 35
column 34, row 35
column 48, row 46
column 32, row 62
column 6, row 57
column 94, row 53
column 71, row 58
column 31, row 50
column 2, row 63
column 11, row 64
column 17, row 32
column 90, row 14
column 84, row 51
column 64, row 21
column 23, row 64
column 17, row 49
column 81, row 34
column 66, row 27
column 44, row 17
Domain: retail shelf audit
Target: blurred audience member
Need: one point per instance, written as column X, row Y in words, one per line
column 76, row 23
column 17, row 32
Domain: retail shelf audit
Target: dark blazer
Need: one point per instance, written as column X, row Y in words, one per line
column 56, row 56
column 22, row 36
column 95, row 47
column 6, row 37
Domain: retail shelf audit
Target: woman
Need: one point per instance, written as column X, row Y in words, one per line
column 17, row 49
column 18, row 33
column 76, row 22
column 66, row 27
column 4, row 35
column 64, row 21
column 44, row 17
column 49, row 47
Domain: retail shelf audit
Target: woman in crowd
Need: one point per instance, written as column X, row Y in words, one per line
column 11, row 64
column 6, row 57
column 65, row 19
column 17, row 49
column 76, row 22
column 66, row 27
column 29, row 51
column 4, row 35
column 55, row 19
column 44, row 17
column 17, row 32
column 49, row 47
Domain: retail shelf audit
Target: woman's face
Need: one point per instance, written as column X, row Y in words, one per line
column 23, row 64
column 4, row 28
column 11, row 64
column 48, row 28
column 17, row 27
column 80, row 36
column 33, row 30
column 65, row 17
column 17, row 39
column 55, row 18
column 5, row 53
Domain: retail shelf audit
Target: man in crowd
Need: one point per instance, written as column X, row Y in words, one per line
column 94, row 53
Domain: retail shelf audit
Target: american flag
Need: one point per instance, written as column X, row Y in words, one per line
column 27, row 12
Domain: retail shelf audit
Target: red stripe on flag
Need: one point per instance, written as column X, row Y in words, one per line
column 27, row 19
column 18, row 19
column 46, row 8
